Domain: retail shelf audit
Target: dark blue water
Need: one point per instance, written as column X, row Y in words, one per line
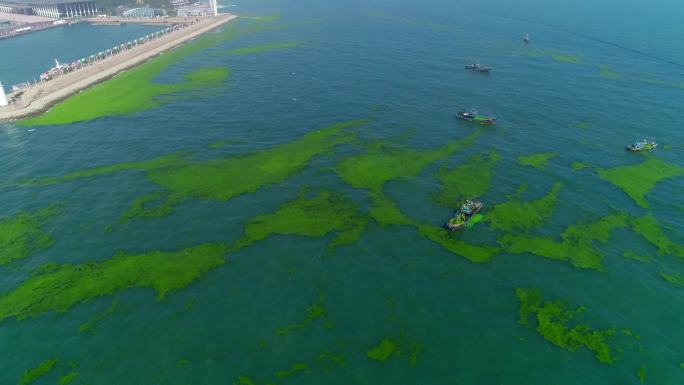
column 402, row 63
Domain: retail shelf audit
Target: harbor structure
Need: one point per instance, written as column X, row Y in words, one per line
column 53, row 9
column 3, row 97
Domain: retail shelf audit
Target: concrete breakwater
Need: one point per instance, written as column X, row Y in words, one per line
column 40, row 97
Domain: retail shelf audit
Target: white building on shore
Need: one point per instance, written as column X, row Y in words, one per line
column 54, row 9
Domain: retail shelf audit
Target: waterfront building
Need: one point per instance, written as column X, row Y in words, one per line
column 3, row 97
column 54, row 9
column 144, row 12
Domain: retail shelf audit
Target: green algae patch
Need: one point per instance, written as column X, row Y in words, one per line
column 677, row 279
column 607, row 73
column 552, row 318
column 315, row 311
column 469, row 180
column 448, row 240
column 538, row 161
column 583, row 125
column 224, row 178
column 32, row 375
column 145, row 165
column 516, row 214
column 68, row 378
column 577, row 245
column 384, row 211
column 135, row 90
column 638, row 180
column 296, row 368
column 129, row 92
column 310, row 216
column 647, row 226
column 562, row 58
column 22, row 234
column 92, row 322
column 66, row 285
column 383, row 351
column 264, row 48
column 390, row 347
column 244, row 380
column 641, row 373
column 577, row 166
column 628, row 254
column 381, row 164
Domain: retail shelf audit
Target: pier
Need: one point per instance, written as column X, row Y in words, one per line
column 39, row 97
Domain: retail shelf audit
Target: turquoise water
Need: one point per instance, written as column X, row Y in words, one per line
column 401, row 65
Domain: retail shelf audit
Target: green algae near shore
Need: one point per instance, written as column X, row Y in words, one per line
column 563, row 58
column 638, row 180
column 22, row 234
column 264, row 48
column 310, row 216
column 551, row 320
column 60, row 287
column 136, row 90
column 34, row 374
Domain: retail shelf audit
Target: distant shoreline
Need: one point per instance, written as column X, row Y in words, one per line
column 41, row 97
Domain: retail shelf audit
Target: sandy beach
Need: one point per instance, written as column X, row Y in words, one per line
column 41, row 97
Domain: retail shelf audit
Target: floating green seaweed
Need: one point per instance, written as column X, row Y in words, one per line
column 469, row 180
column 552, row 320
column 91, row 323
column 136, row 90
column 577, row 166
column 537, row 161
column 327, row 361
column 474, row 253
column 584, row 124
column 390, row 347
column 562, row 58
column 68, row 378
column 381, row 164
column 296, row 368
column 384, row 350
column 516, row 214
column 647, row 226
column 129, row 92
column 677, row 279
column 641, row 374
column 310, row 216
column 577, row 245
column 264, row 48
column 384, row 211
column 218, row 179
column 606, row 72
column 631, row 255
column 313, row 312
column 22, row 234
column 66, row 285
column 32, row 375
column 638, row 180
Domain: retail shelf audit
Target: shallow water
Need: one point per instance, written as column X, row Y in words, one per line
column 400, row 65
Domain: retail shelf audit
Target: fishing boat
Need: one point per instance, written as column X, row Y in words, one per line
column 475, row 117
column 643, row 145
column 476, row 67
column 526, row 39
column 466, row 216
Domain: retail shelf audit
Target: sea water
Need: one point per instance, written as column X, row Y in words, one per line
column 398, row 307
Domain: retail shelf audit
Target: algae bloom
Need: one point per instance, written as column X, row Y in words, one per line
column 638, row 180
column 516, row 214
column 538, row 161
column 552, row 318
column 23, row 234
